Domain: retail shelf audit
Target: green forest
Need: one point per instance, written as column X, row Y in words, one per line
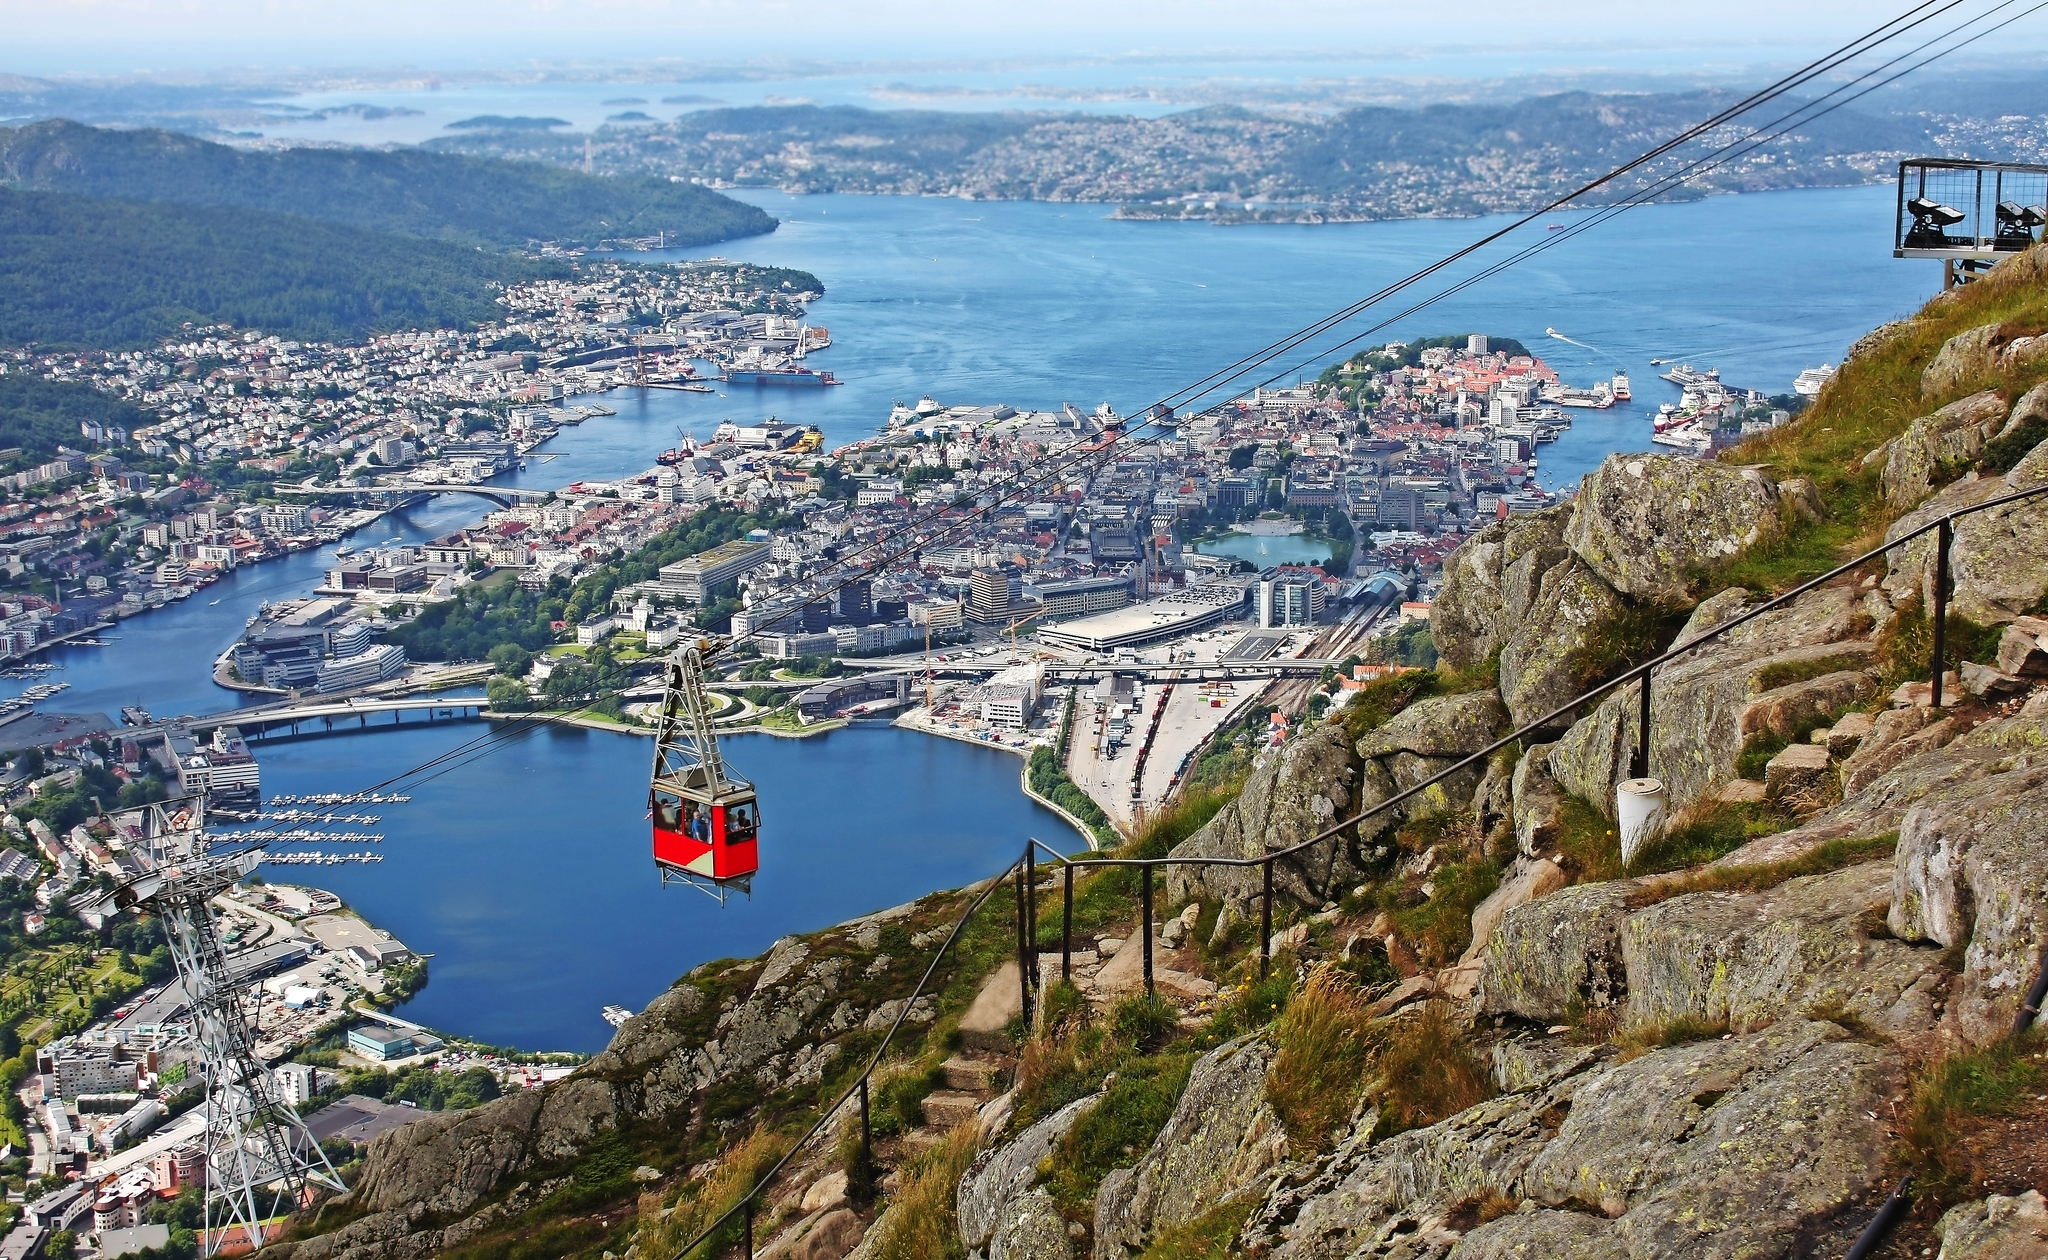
column 98, row 272
column 440, row 196
column 482, row 617
column 37, row 415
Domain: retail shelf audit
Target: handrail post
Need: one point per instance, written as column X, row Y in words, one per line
column 749, row 1253
column 1031, row 918
column 1023, row 970
column 1147, row 929
column 1942, row 537
column 1067, row 927
column 1640, row 766
column 1266, row 919
column 867, row 1130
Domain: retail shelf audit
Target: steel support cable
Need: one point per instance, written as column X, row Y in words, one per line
column 1857, row 47
column 1876, row 37
column 1705, row 164
column 1577, row 702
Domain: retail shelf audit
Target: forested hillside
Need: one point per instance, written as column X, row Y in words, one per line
column 441, row 196
column 38, row 415
column 104, row 272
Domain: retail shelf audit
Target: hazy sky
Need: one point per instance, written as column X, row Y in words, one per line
column 46, row 36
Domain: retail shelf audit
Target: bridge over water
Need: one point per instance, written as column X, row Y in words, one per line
column 503, row 496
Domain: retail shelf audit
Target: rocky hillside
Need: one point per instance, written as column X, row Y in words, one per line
column 1484, row 1035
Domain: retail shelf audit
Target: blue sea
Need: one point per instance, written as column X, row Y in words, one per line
column 526, row 872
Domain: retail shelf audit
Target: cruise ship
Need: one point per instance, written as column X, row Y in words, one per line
column 1808, row 383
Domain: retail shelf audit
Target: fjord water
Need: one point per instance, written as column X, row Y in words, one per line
column 526, row 872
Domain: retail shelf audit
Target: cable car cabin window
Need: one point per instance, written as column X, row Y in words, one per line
column 668, row 812
column 697, row 821
column 742, row 820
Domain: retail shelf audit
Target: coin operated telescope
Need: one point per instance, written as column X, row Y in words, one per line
column 1968, row 214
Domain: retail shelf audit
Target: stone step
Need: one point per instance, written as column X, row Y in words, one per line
column 946, row 1109
column 973, row 1076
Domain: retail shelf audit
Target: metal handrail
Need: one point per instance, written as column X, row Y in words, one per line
column 1943, row 526
column 1025, row 868
column 860, row 1085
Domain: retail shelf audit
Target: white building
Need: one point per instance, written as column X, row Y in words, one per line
column 296, row 1082
column 386, row 660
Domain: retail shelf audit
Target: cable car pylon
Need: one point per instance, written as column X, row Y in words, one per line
column 262, row 1163
column 706, row 821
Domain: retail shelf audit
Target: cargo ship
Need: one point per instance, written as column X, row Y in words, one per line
column 791, row 375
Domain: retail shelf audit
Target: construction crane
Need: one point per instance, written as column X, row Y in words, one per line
column 261, row 1160
column 706, row 822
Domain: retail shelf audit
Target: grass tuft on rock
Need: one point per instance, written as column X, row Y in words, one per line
column 1118, row 1131
column 1832, row 856
column 1209, row 1236
column 664, row 1226
column 1320, row 1069
column 1427, row 1072
column 922, row 1223
column 1640, row 1039
column 1705, row 832
column 1951, row 1099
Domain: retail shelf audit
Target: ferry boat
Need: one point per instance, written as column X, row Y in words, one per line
column 616, row 1015
column 1620, row 387
column 1684, row 375
column 1688, row 437
column 788, row 375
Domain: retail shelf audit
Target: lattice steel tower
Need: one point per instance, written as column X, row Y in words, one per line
column 261, row 1161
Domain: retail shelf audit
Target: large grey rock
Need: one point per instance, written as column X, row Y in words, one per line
column 1978, row 355
column 1544, row 1234
column 1720, row 1148
column 1537, row 810
column 1002, row 1175
column 1700, row 702
column 1222, row 1137
column 1723, row 1148
column 1998, row 561
column 1440, row 726
column 1557, row 954
column 1649, row 524
column 1996, row 1228
column 1366, row 1196
column 1490, row 582
column 1974, row 870
column 1935, row 446
column 1750, row 959
column 1556, row 651
column 1311, row 782
column 1030, row 1227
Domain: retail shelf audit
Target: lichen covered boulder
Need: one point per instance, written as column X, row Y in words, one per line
column 1648, row 524
column 992, row 1196
column 1559, row 647
column 1490, row 582
column 1222, row 1137
column 1972, row 870
column 1307, row 784
column 1934, row 446
column 1750, row 959
column 1557, row 954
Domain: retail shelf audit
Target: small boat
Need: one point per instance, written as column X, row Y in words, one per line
column 616, row 1015
column 214, row 602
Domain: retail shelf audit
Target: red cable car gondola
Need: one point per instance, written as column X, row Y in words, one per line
column 706, row 823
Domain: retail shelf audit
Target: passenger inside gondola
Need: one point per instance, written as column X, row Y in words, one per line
column 668, row 814
column 741, row 820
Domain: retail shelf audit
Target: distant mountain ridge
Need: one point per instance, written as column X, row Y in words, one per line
column 1366, row 162
column 437, row 196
